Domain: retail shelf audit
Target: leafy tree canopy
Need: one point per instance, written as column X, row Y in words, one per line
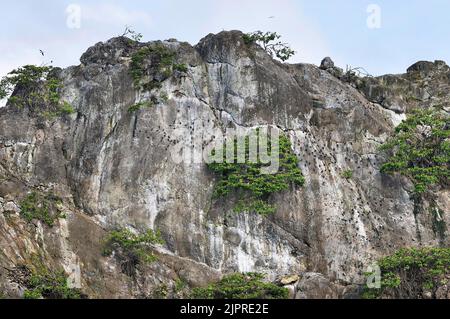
column 241, row 286
column 269, row 41
column 420, row 149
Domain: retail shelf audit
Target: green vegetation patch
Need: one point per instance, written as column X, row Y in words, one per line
column 153, row 64
column 41, row 282
column 140, row 105
column 38, row 87
column 180, row 67
column 131, row 249
column 420, row 149
column 241, row 286
column 410, row 272
column 50, row 285
column 25, row 77
column 43, row 207
column 247, row 180
column 269, row 42
column 66, row 108
column 347, row 174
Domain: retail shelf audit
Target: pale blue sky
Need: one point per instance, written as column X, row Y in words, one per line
column 411, row 30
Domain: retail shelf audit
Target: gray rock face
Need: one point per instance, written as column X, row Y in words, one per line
column 425, row 84
column 115, row 168
column 315, row 286
column 327, row 63
column 424, row 66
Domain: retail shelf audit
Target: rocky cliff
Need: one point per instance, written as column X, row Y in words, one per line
column 110, row 165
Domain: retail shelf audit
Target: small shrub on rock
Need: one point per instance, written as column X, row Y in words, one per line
column 131, row 249
column 241, row 286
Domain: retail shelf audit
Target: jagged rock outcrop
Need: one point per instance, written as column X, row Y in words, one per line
column 425, row 84
column 114, row 168
column 328, row 65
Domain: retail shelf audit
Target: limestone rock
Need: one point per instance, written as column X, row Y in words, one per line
column 316, row 286
column 327, row 63
column 421, row 66
column 425, row 84
column 443, row 292
column 11, row 207
column 289, row 279
column 115, row 168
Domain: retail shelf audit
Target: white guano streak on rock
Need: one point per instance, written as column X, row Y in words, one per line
column 69, row 258
column 155, row 196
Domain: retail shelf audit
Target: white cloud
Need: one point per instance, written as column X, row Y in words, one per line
column 284, row 17
column 17, row 55
column 64, row 46
column 111, row 14
column 98, row 23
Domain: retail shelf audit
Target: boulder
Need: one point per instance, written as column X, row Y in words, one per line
column 316, row 286
column 289, row 279
column 327, row 63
